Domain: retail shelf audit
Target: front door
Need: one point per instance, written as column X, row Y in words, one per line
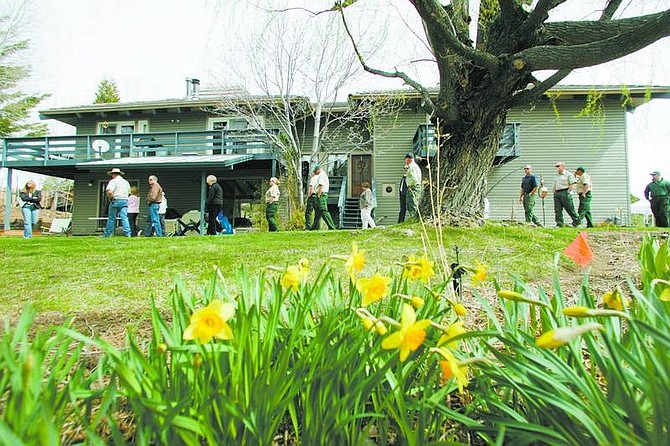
column 361, row 170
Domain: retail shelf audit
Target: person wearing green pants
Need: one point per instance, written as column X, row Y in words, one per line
column 529, row 188
column 322, row 212
column 584, row 188
column 312, row 202
column 272, row 204
column 563, row 185
column 658, row 193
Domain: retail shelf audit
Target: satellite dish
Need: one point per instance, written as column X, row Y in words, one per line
column 100, row 146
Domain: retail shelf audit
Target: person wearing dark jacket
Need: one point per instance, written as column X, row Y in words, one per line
column 30, row 207
column 658, row 194
column 213, row 204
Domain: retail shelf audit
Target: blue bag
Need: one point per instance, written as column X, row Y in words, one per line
column 226, row 227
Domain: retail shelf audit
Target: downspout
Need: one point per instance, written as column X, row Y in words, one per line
column 8, row 199
column 203, row 192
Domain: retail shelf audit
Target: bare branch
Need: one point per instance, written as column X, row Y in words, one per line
column 539, row 14
column 610, row 9
column 425, row 94
column 539, row 89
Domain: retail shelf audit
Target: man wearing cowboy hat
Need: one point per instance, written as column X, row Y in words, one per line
column 117, row 190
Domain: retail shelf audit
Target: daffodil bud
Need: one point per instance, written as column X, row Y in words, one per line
column 576, row 311
column 161, row 348
column 381, row 328
column 368, row 323
column 197, row 361
column 460, row 310
column 563, row 335
column 416, row 302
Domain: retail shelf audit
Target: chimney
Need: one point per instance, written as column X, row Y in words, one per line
column 189, row 90
column 195, row 88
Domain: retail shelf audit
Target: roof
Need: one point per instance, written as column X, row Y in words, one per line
column 166, row 161
column 638, row 93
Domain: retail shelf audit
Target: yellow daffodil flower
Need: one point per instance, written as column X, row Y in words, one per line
column 460, row 309
column 411, row 334
column 211, row 322
column 303, row 266
column 562, row 335
column 452, row 368
column 291, row 278
column 419, row 268
column 355, row 262
column 381, row 328
column 373, row 288
column 480, row 274
column 451, row 332
column 613, row 300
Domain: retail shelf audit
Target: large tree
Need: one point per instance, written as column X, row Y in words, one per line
column 15, row 105
column 480, row 81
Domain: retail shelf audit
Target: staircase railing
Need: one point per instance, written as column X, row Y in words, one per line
column 341, row 200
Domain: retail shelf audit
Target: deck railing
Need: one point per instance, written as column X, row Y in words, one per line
column 68, row 150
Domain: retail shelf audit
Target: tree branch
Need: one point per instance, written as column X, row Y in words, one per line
column 577, row 33
column 507, row 8
column 610, row 9
column 547, row 57
column 539, row 15
column 425, row 94
column 527, row 96
column 439, row 28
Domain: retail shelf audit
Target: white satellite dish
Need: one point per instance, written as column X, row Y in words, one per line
column 100, row 146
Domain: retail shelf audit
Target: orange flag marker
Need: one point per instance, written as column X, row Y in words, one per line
column 579, row 250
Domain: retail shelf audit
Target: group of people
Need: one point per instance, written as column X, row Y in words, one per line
column 565, row 183
column 124, row 204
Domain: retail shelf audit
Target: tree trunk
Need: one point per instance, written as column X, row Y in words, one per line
column 457, row 179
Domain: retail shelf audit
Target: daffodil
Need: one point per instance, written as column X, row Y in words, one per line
column 355, row 262
column 411, row 334
column 211, row 322
column 452, row 368
column 373, row 288
column 416, row 301
column 291, row 278
column 460, row 309
column 419, row 268
column 451, row 332
column 578, row 311
column 303, row 266
column 480, row 274
column 613, row 300
column 513, row 295
column 562, row 335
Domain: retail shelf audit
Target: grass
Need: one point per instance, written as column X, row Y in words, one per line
column 75, row 275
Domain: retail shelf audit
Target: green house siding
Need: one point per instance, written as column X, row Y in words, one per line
column 392, row 140
column 599, row 146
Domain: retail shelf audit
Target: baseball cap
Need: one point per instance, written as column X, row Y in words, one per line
column 409, row 155
column 581, row 168
column 527, row 166
column 655, row 172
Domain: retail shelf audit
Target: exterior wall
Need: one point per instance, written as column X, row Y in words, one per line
column 578, row 141
column 182, row 188
column 161, row 122
column 392, row 140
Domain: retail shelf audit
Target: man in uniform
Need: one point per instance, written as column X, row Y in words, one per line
column 657, row 193
column 563, row 185
column 584, row 188
column 529, row 188
column 321, row 192
column 413, row 186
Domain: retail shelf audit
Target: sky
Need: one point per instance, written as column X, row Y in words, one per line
column 149, row 47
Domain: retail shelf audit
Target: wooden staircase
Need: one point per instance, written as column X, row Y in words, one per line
column 351, row 218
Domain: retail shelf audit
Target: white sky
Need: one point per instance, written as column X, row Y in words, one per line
column 150, row 46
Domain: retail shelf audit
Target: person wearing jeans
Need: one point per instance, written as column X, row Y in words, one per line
column 30, row 208
column 117, row 191
column 154, row 199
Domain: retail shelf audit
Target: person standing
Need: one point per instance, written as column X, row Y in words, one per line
column 213, row 204
column 366, row 205
column 312, row 202
column 321, row 192
column 162, row 210
column 529, row 188
column 272, row 204
column 117, row 191
column 133, row 210
column 657, row 193
column 413, row 186
column 563, row 185
column 31, row 199
column 584, row 188
column 402, row 191
column 154, row 199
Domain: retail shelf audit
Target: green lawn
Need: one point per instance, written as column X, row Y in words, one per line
column 74, row 275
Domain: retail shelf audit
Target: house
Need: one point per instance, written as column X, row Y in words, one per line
column 181, row 141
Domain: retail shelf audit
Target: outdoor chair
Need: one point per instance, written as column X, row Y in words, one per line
column 189, row 222
column 59, row 226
